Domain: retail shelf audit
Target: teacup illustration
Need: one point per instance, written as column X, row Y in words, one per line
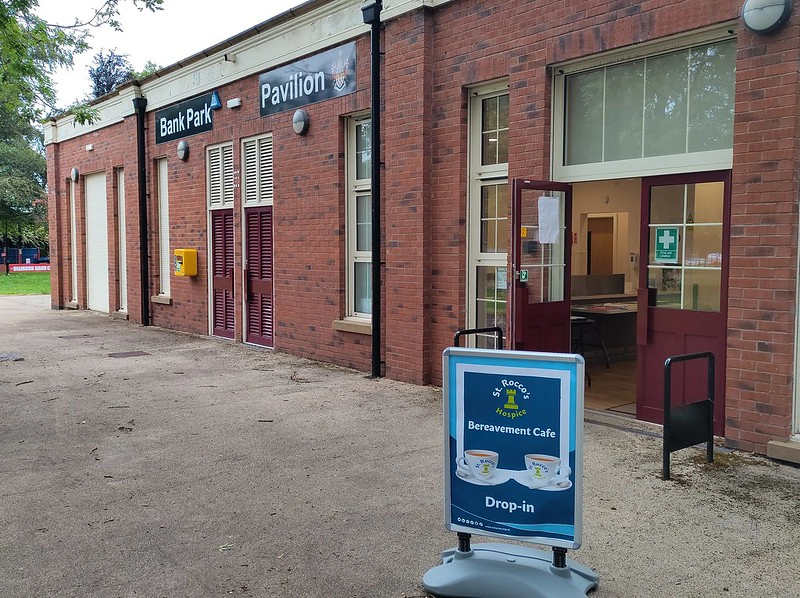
column 479, row 463
column 545, row 469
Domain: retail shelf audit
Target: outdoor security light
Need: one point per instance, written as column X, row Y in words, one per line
column 765, row 16
column 300, row 122
column 183, row 151
column 74, row 174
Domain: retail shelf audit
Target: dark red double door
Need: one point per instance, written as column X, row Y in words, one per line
column 258, row 313
column 223, row 314
column 259, row 318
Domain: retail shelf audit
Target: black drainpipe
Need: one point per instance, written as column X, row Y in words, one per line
column 140, row 104
column 372, row 16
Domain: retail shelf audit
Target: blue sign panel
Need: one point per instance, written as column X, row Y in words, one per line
column 514, row 444
column 329, row 74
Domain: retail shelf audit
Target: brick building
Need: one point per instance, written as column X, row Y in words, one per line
column 529, row 150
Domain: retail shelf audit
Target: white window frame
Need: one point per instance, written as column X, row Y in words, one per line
column 219, row 187
column 73, row 242
column 122, row 240
column 480, row 176
column 257, row 160
column 638, row 167
column 164, row 256
column 355, row 187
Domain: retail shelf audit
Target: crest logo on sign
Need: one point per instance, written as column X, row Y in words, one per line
column 339, row 72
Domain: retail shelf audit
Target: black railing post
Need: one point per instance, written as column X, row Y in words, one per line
column 691, row 423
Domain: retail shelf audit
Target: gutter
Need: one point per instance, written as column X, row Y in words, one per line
column 140, row 106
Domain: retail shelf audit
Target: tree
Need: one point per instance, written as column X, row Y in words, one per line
column 32, row 48
column 23, row 201
column 109, row 71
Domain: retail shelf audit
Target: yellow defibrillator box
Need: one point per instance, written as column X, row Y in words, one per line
column 186, row 262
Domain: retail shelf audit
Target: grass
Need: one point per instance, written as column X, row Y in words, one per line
column 25, row 283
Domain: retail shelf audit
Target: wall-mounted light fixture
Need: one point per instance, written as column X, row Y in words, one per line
column 74, row 175
column 89, row 147
column 300, row 122
column 234, row 102
column 229, row 57
column 183, row 151
column 765, row 16
column 216, row 104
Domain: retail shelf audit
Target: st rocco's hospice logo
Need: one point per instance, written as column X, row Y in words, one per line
column 511, row 391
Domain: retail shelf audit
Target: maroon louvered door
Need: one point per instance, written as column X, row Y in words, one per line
column 222, row 268
column 258, row 231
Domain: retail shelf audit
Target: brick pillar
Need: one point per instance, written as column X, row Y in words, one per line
column 763, row 253
column 407, row 81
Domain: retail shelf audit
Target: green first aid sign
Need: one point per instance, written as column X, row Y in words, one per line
column 666, row 244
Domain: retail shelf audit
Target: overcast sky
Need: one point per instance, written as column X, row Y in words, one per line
column 183, row 28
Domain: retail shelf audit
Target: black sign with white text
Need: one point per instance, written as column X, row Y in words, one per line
column 327, row 75
column 185, row 119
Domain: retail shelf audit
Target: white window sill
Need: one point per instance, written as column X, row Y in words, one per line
column 162, row 299
column 354, row 325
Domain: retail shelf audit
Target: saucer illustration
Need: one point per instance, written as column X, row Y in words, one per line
column 556, row 485
column 500, row 476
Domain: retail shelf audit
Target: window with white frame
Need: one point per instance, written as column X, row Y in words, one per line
column 359, row 217
column 666, row 110
column 73, row 243
column 219, row 166
column 488, row 211
column 257, row 180
column 164, row 257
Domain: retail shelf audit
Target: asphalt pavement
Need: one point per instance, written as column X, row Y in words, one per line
column 136, row 461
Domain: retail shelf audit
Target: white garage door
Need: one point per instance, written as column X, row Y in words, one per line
column 97, row 242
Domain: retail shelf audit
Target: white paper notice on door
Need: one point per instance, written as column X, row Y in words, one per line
column 548, row 219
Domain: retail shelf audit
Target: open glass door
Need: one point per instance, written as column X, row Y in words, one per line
column 541, row 216
column 683, row 288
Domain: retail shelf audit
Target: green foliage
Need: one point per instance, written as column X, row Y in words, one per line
column 23, row 201
column 24, row 283
column 109, row 71
column 32, row 48
column 148, row 69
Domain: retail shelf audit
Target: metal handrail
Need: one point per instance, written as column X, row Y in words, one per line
column 496, row 329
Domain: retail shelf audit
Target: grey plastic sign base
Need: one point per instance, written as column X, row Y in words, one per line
column 507, row 571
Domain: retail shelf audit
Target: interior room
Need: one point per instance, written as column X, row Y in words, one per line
column 605, row 273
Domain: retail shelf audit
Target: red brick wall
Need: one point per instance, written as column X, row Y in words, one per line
column 764, row 217
column 113, row 147
column 432, row 57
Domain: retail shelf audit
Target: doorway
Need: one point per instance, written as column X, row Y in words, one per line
column 223, row 311
column 683, row 288
column 97, row 255
column 258, row 276
column 600, row 245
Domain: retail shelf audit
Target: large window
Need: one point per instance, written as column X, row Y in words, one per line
column 488, row 212
column 164, row 257
column 663, row 112
column 122, row 243
column 73, row 244
column 359, row 218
